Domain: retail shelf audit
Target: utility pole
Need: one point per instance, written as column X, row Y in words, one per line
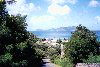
column 62, row 51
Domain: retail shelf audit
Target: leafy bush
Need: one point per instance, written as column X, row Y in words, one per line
column 64, row 62
column 9, row 47
column 20, row 64
column 93, row 59
column 22, row 46
column 5, row 58
column 16, row 48
column 82, row 43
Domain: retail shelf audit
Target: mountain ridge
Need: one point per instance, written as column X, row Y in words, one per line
column 70, row 28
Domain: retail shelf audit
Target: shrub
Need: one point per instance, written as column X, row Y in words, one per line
column 64, row 62
column 93, row 59
column 82, row 43
column 5, row 58
column 15, row 41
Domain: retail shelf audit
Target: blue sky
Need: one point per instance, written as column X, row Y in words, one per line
column 47, row 14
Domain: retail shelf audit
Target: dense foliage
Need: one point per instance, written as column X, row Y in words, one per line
column 47, row 51
column 82, row 43
column 16, row 47
column 64, row 62
column 92, row 59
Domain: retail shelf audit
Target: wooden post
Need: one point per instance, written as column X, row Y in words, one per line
column 62, row 51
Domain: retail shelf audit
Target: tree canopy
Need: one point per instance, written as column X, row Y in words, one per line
column 82, row 43
column 16, row 48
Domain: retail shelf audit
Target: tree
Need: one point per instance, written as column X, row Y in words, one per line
column 3, row 29
column 82, row 43
column 16, row 48
column 93, row 59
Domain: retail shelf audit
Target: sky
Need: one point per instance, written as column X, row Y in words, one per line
column 47, row 14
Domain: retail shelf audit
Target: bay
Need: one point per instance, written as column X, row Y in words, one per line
column 57, row 34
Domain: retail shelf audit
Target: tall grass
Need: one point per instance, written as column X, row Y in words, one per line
column 64, row 62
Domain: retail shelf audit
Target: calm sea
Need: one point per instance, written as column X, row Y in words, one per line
column 55, row 34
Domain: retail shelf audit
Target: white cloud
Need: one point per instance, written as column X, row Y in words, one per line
column 41, row 22
column 97, row 18
column 94, row 3
column 7, row 0
column 72, row 1
column 56, row 9
column 20, row 6
column 44, row 18
column 63, row 1
column 57, row 1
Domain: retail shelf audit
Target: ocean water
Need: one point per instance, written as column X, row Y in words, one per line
column 52, row 34
column 59, row 34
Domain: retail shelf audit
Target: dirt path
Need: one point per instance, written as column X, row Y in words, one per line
column 47, row 63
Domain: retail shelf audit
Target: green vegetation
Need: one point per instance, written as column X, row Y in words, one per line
column 64, row 62
column 82, row 44
column 19, row 48
column 16, row 43
column 93, row 59
column 82, row 47
column 47, row 51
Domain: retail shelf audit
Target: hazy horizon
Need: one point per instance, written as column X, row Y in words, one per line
column 61, row 27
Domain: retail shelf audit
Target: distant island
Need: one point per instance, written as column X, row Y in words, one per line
column 66, row 29
column 70, row 28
